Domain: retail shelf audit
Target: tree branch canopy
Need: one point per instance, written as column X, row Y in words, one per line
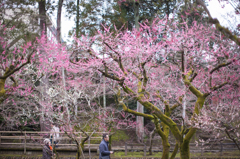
column 220, row 66
column 11, row 70
column 144, row 56
column 126, row 109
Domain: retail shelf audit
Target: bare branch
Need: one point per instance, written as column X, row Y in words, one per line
column 126, row 109
column 114, row 77
column 111, row 48
column 193, row 77
column 177, row 104
column 183, row 67
column 147, row 60
column 215, row 88
column 220, row 66
column 159, row 131
column 219, row 86
column 12, row 71
column 119, row 60
column 192, row 88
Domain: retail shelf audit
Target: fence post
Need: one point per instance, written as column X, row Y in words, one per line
column 201, row 149
column 25, row 142
column 53, row 143
column 97, row 151
column 144, row 150
column 125, row 149
column 89, row 147
column 221, row 148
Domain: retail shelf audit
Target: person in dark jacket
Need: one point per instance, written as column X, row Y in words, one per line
column 47, row 152
column 104, row 153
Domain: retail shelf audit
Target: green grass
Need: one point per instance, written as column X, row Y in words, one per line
column 138, row 154
column 226, row 154
column 120, row 154
column 19, row 155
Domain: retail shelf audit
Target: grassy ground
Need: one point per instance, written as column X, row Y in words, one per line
column 231, row 154
column 224, row 155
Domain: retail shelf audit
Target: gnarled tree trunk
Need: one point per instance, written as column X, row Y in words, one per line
column 60, row 3
column 152, row 134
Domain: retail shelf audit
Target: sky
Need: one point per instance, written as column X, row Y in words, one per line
column 223, row 12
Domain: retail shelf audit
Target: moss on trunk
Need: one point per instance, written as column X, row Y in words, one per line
column 166, row 149
column 184, row 150
column 165, row 118
column 2, row 90
column 78, row 156
column 80, row 148
column 174, row 153
column 110, row 143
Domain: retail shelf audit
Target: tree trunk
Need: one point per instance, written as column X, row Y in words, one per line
column 174, row 151
column 80, row 148
column 44, row 122
column 152, row 134
column 184, row 144
column 2, row 85
column 184, row 150
column 55, row 151
column 136, row 14
column 164, row 135
column 77, row 21
column 232, row 138
column 42, row 16
column 166, row 149
column 78, row 156
column 110, row 143
column 43, row 28
column 140, row 123
column 60, row 2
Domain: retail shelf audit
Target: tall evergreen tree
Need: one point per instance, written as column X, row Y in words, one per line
column 148, row 9
column 91, row 14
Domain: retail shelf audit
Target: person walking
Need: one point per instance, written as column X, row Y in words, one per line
column 104, row 153
column 54, row 136
column 47, row 152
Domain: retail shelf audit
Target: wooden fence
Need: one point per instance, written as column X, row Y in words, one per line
column 144, row 148
column 24, row 136
column 38, row 137
column 206, row 147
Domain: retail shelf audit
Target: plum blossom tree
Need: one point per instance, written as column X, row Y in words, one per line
column 68, row 102
column 19, row 62
column 220, row 118
column 15, row 55
column 151, row 69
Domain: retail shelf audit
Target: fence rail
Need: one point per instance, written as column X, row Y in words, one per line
column 134, row 144
column 206, row 147
column 23, row 136
column 40, row 136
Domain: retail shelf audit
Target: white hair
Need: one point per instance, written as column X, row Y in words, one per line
column 46, row 141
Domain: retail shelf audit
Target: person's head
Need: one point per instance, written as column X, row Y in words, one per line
column 47, row 142
column 106, row 137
